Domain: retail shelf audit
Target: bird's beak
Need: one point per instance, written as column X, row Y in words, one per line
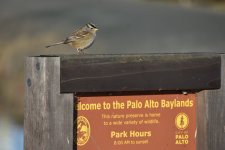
column 96, row 29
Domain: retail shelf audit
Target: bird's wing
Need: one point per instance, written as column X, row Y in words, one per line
column 69, row 39
column 80, row 34
column 76, row 35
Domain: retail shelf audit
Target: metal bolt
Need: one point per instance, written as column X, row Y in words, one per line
column 28, row 82
column 184, row 92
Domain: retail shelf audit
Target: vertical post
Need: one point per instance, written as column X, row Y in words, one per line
column 216, row 113
column 201, row 132
column 211, row 116
column 48, row 117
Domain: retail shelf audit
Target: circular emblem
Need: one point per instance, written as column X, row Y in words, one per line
column 181, row 121
column 83, row 130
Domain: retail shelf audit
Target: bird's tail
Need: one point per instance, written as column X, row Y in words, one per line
column 62, row 42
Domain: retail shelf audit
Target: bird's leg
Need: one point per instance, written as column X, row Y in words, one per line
column 78, row 50
column 82, row 52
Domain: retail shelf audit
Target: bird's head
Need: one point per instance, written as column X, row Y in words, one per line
column 91, row 27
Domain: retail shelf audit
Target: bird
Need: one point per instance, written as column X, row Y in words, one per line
column 81, row 38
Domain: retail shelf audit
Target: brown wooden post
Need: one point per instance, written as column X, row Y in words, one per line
column 48, row 115
column 211, row 116
column 49, row 106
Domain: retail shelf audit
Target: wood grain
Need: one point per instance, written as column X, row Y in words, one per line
column 202, row 118
column 211, row 116
column 48, row 115
column 216, row 114
column 147, row 72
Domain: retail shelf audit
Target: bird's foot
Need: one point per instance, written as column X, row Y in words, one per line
column 78, row 52
column 81, row 52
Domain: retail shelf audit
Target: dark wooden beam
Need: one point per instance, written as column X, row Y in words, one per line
column 145, row 72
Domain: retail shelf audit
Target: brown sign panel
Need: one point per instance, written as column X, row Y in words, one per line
column 136, row 122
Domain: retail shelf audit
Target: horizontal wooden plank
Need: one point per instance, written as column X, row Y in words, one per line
column 145, row 72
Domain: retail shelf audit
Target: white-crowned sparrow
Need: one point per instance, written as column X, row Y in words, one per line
column 81, row 38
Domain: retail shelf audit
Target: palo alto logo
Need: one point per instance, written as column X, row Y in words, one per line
column 182, row 121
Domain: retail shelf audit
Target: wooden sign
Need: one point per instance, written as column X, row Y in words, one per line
column 136, row 122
